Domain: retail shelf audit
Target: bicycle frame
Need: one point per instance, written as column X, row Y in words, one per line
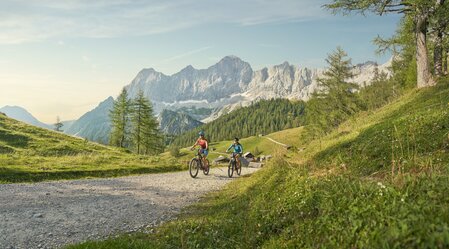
column 199, row 157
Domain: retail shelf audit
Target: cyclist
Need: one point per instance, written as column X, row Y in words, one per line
column 204, row 147
column 238, row 150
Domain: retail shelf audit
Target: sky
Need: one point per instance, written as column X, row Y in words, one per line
column 61, row 58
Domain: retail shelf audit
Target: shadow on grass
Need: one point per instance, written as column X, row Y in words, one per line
column 415, row 129
column 15, row 176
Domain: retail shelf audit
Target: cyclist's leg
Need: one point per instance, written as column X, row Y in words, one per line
column 237, row 158
column 205, row 153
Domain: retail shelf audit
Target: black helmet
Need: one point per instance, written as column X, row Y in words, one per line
column 236, row 139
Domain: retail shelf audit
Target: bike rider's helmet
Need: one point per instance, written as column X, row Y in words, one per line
column 201, row 133
column 236, row 139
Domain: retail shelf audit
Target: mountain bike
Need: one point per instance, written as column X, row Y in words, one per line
column 233, row 166
column 196, row 164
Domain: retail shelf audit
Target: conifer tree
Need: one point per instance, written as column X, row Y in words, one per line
column 119, row 116
column 145, row 134
column 58, row 125
column 335, row 100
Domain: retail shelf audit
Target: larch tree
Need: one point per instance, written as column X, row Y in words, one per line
column 58, row 125
column 119, row 116
column 421, row 11
column 335, row 99
column 145, row 133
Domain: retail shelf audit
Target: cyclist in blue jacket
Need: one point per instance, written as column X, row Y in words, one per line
column 238, row 150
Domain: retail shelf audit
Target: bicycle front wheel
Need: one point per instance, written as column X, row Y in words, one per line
column 231, row 168
column 193, row 168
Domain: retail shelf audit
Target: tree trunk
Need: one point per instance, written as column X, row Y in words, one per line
column 424, row 77
column 438, row 54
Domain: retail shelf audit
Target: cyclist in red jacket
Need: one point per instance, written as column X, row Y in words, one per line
column 204, row 147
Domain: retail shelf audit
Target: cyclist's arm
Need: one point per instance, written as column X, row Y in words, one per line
column 196, row 143
column 230, row 147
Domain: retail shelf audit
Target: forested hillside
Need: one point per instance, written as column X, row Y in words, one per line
column 263, row 117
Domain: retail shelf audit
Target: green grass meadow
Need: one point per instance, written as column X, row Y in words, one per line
column 31, row 154
column 378, row 181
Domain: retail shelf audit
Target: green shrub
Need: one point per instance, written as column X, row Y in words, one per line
column 174, row 151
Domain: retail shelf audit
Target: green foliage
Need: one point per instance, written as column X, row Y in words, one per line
column 119, row 116
column 404, row 50
column 134, row 125
column 145, row 134
column 422, row 18
column 174, row 151
column 381, row 92
column 336, row 100
column 58, row 125
column 262, row 117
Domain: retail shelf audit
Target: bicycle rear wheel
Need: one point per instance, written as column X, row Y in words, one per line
column 239, row 168
column 206, row 168
column 193, row 167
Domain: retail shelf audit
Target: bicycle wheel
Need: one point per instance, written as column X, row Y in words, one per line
column 231, row 168
column 193, row 168
column 206, row 169
column 239, row 168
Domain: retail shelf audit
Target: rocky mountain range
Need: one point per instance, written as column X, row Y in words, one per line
column 175, row 123
column 220, row 88
column 94, row 125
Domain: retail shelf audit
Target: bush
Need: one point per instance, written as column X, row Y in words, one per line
column 174, row 151
column 256, row 151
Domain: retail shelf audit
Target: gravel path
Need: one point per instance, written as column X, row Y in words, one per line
column 53, row 214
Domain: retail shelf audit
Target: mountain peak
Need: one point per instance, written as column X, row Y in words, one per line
column 230, row 58
column 188, row 68
column 15, row 109
column 285, row 64
column 21, row 114
column 149, row 71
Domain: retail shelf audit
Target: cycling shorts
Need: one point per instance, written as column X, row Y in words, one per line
column 204, row 152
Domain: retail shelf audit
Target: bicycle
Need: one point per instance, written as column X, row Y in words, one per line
column 233, row 166
column 196, row 164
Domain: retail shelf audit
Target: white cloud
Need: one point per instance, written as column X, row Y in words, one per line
column 186, row 54
column 35, row 20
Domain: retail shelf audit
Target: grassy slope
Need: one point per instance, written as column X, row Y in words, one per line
column 28, row 153
column 379, row 181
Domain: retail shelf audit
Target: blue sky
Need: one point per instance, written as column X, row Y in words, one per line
column 64, row 57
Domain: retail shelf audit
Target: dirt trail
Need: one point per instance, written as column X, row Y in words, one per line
column 54, row 214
